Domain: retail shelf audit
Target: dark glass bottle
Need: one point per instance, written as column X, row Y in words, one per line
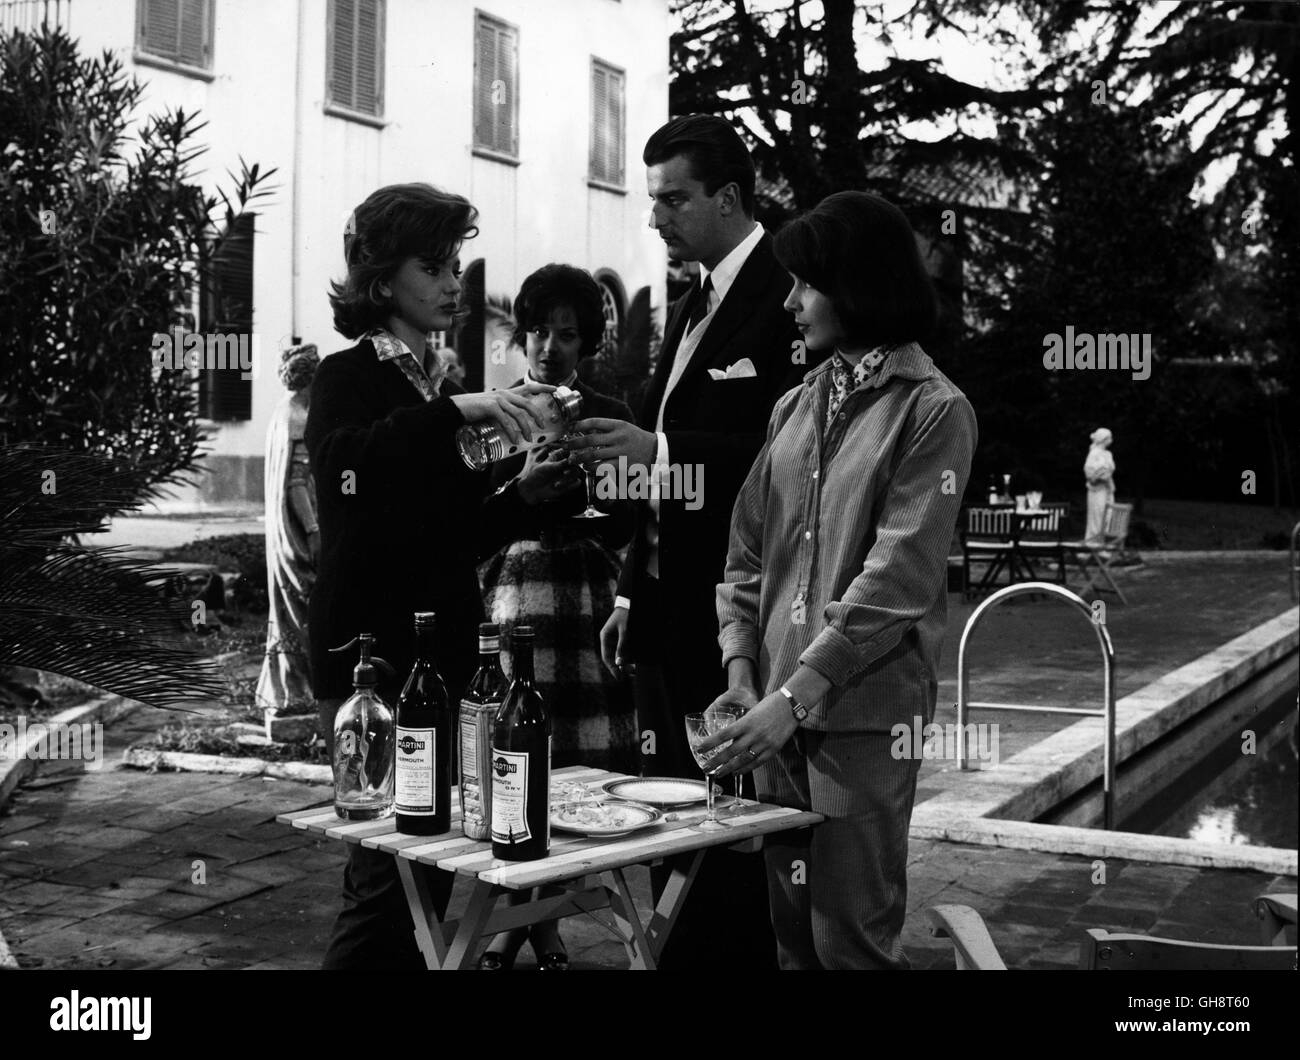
column 521, row 763
column 479, row 707
column 424, row 736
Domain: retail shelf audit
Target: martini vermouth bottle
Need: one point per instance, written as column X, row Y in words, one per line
column 481, row 444
column 424, row 736
column 521, row 763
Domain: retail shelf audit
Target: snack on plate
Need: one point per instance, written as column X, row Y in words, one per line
column 605, row 816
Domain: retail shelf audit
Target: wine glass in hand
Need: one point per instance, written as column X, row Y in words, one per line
column 719, row 718
column 697, row 730
column 589, row 476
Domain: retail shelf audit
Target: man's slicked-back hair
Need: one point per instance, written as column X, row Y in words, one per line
column 395, row 223
column 715, row 151
column 557, row 287
column 859, row 250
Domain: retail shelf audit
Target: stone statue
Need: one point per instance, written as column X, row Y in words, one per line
column 292, row 542
column 1099, row 471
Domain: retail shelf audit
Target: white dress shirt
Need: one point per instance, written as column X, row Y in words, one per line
column 723, row 276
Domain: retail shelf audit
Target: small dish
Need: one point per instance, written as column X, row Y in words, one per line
column 666, row 793
column 604, row 820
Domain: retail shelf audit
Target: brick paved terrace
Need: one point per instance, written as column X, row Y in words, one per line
column 97, row 869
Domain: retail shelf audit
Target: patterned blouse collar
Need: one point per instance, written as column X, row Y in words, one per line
column 571, row 382
column 388, row 347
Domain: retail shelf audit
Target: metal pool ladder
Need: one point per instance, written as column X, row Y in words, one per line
column 1108, row 663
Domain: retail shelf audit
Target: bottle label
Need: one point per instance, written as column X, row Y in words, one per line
column 415, row 757
column 468, row 742
column 510, row 797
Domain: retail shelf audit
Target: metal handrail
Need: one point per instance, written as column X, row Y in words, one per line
column 1295, row 563
column 1108, row 662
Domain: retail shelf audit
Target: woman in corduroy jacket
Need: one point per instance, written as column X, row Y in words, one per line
column 833, row 608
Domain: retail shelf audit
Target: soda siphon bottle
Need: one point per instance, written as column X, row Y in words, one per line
column 363, row 743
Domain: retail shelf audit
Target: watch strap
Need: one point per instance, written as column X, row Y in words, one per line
column 796, row 708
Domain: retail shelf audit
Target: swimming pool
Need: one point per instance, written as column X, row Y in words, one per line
column 1232, row 797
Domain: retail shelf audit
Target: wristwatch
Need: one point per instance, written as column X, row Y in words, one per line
column 796, row 708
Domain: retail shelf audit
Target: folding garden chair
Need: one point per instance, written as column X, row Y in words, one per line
column 1095, row 560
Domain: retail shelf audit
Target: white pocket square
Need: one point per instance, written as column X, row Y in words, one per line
column 742, row 369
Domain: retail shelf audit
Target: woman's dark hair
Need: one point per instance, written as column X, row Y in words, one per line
column 395, row 223
column 561, row 286
column 860, row 251
column 715, row 151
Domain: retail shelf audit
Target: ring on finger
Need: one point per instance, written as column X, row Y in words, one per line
column 752, row 754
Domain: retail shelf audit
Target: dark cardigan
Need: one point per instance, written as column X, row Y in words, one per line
column 403, row 522
column 614, row 532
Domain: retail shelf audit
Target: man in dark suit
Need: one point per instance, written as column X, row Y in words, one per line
column 730, row 350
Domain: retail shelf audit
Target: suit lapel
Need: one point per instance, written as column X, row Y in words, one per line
column 673, row 331
column 752, row 283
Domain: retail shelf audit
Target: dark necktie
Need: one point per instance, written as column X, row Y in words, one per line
column 700, row 305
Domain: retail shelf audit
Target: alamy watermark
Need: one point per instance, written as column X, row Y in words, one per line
column 636, row 482
column 93, row 1013
column 1124, row 353
column 53, row 741
column 919, row 741
column 178, row 351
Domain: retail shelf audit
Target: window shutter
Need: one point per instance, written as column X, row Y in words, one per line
column 366, row 57
column 179, row 30
column 606, row 123
column 223, row 394
column 508, row 71
column 599, row 131
column 192, row 43
column 341, row 55
column 159, row 26
column 496, row 58
column 617, row 113
column 484, row 74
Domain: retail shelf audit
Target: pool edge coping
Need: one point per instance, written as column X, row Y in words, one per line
column 1058, row 765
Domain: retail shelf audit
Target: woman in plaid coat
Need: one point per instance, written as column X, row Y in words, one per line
column 559, row 573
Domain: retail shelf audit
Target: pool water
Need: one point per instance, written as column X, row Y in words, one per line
column 1232, row 797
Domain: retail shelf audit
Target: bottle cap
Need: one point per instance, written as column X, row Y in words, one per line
column 364, row 674
column 426, row 618
column 522, row 633
column 570, row 402
column 489, row 629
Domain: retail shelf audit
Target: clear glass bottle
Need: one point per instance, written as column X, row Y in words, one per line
column 481, row 444
column 478, row 714
column 363, row 742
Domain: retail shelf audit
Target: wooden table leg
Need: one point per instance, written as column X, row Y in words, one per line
column 446, row 945
column 642, row 956
column 472, row 924
column 645, row 944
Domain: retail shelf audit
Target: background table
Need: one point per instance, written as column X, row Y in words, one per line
column 591, row 872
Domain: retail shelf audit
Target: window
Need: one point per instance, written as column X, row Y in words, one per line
column 177, row 31
column 224, row 393
column 607, row 115
column 612, row 307
column 496, row 87
column 354, row 76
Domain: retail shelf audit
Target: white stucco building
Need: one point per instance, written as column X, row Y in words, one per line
column 536, row 110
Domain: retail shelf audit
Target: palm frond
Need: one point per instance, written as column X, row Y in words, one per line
column 91, row 614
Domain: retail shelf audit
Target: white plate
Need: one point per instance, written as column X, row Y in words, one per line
column 614, row 817
column 663, row 792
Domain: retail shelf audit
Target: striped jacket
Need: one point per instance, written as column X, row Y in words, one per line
column 839, row 542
